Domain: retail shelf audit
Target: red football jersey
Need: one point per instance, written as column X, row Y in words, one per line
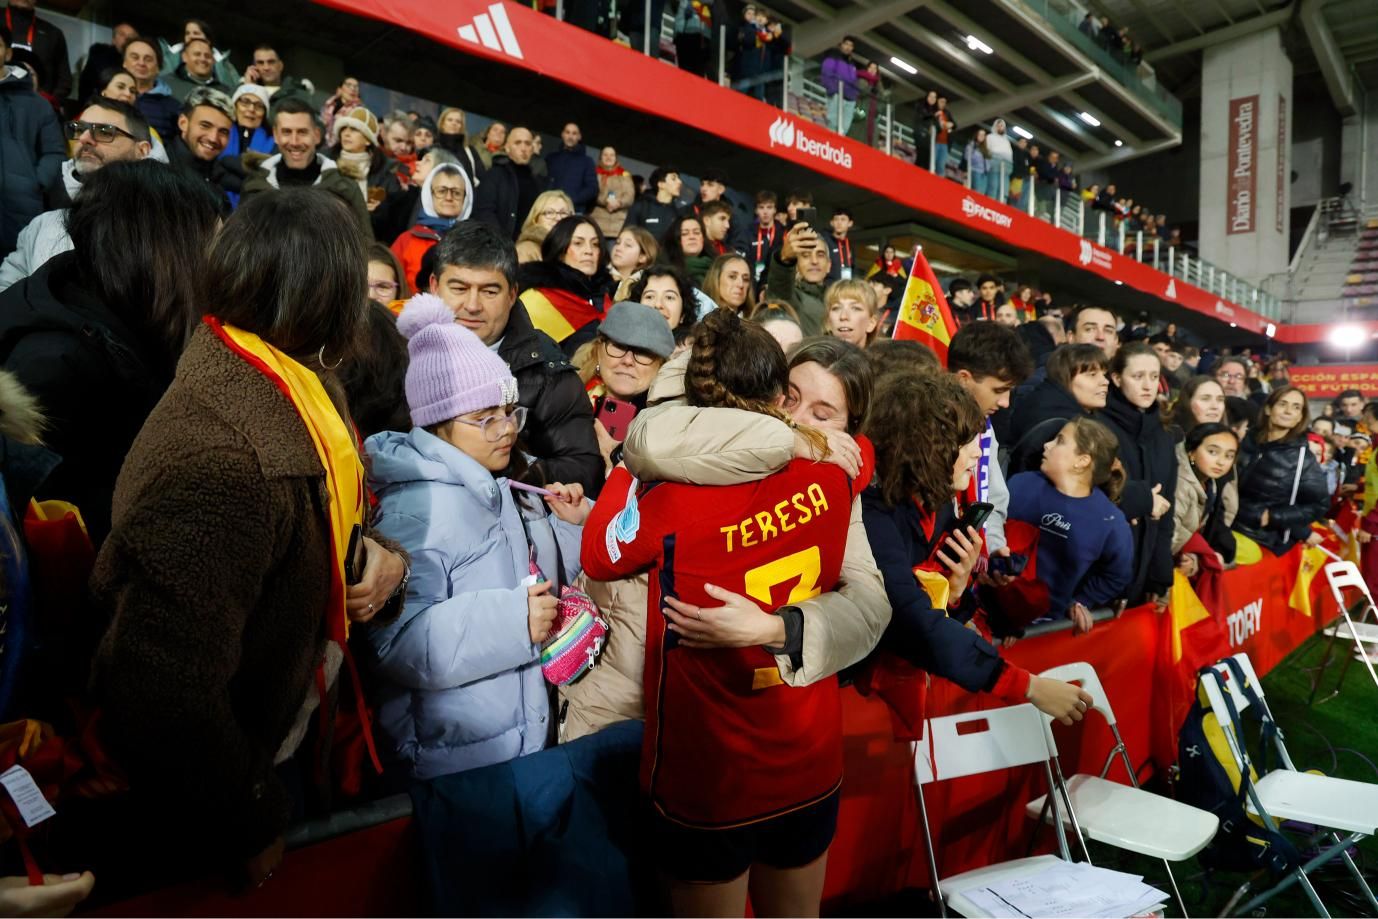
column 727, row 743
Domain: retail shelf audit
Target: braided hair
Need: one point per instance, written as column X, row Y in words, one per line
column 737, row 364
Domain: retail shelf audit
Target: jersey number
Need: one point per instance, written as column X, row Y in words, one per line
column 807, row 566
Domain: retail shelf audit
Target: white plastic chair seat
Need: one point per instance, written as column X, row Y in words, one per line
column 1133, row 819
column 1367, row 632
column 955, row 886
column 1340, row 804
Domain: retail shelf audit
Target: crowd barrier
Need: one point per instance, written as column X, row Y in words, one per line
column 878, row 850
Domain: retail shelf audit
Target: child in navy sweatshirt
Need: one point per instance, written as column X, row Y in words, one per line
column 1085, row 553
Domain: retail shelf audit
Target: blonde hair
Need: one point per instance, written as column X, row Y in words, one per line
column 463, row 120
column 854, row 289
column 543, row 201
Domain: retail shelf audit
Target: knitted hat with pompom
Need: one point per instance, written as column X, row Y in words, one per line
column 451, row 372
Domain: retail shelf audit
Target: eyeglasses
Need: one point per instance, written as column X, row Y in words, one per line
column 453, row 194
column 494, row 427
column 560, row 214
column 383, row 287
column 103, row 133
column 617, row 352
column 1230, row 376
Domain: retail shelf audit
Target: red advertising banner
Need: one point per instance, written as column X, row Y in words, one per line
column 1326, row 381
column 514, row 35
column 1282, row 147
column 1241, row 200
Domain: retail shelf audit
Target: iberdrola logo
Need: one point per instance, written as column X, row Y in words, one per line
column 784, row 133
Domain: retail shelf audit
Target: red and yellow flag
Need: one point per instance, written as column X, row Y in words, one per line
column 924, row 313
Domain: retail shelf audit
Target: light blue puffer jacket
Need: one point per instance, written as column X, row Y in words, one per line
column 462, row 678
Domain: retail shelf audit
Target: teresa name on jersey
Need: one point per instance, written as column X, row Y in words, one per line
column 798, row 510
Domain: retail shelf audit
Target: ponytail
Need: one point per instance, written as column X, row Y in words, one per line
column 1094, row 439
column 1113, row 485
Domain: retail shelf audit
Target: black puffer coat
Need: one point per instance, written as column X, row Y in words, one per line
column 31, row 155
column 1266, row 485
column 1035, row 421
column 1149, row 456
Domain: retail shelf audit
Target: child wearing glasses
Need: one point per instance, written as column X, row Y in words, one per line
column 461, row 667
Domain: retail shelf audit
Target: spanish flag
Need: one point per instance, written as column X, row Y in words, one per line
column 924, row 313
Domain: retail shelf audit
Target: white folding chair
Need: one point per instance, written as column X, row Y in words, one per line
column 1012, row 736
column 1333, row 805
column 1123, row 816
column 1343, row 576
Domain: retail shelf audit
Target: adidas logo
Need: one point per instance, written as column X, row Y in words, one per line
column 493, row 31
column 782, row 132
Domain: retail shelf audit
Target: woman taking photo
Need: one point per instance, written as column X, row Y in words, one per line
column 668, row 292
column 1284, row 490
column 563, row 292
column 728, row 284
column 634, row 252
column 742, row 771
column 1077, row 385
column 240, row 500
column 1207, row 498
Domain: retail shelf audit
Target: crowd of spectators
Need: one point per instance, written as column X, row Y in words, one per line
column 341, row 390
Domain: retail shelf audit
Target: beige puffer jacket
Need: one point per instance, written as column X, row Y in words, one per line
column 1189, row 504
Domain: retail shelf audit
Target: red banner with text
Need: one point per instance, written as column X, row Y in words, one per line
column 1326, row 381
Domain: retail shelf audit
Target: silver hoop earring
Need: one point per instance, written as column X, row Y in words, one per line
column 320, row 359
column 598, row 369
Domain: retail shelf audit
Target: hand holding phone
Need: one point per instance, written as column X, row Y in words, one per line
column 356, row 556
column 616, row 416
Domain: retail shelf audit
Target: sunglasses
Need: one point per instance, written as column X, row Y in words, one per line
column 103, row 133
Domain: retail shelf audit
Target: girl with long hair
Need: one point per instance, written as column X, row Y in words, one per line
column 563, row 292
column 1207, row 497
column 728, row 284
column 1283, row 491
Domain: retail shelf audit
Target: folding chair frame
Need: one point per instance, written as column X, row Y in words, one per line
column 1342, row 575
column 1243, row 762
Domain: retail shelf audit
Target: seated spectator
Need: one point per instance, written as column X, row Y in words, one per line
column 618, row 367
column 685, row 248
column 782, row 322
column 1077, row 384
column 374, row 378
column 888, row 263
column 461, row 683
column 446, row 199
column 359, row 156
column 476, row 274
column 669, row 293
column 223, row 71
column 765, row 236
column 298, row 164
column 144, row 59
column 95, row 333
column 1149, row 459
column 1085, row 551
column 549, row 208
column 1283, row 491
column 728, row 284
column 451, row 136
column 509, row 187
column 423, row 137
column 204, row 129
column 225, row 459
column 563, row 293
column 1207, row 498
column 492, row 141
column 717, row 227
column 344, row 99
column 1006, row 314
column 634, row 252
column 103, row 56
column 396, row 135
column 616, row 192
column 852, row 313
column 571, row 170
column 116, row 83
column 797, row 275
column 107, row 132
column 45, row 42
column 196, row 70
column 250, row 131
column 1200, row 401
column 388, row 284
column 268, row 71
column 30, row 144
column 658, row 207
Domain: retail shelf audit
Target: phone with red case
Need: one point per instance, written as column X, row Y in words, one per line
column 616, row 416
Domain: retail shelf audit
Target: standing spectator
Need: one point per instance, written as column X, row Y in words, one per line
column 961, row 296
column 717, row 228
column 943, row 126
column 615, row 193
column 874, row 92
column 344, row 99
column 549, row 208
column 95, row 333
column 778, row 49
column 492, row 141
column 509, row 188
column 203, row 132
column 298, row 137
column 423, row 138
column 1232, row 373
column 659, row 206
column 798, row 275
column 976, row 154
column 476, row 275
column 752, row 54
column 31, row 147
column 988, row 287
column 694, row 36
column 1089, row 26
column 268, row 71
column 197, row 69
column 1283, row 491
column 143, row 58
column 712, row 187
column 451, row 134
column 396, row 138
column 842, row 260
column 888, row 263
column 563, row 292
column 571, row 171
column 728, row 284
column 999, row 163
column 685, row 248
column 1020, row 189
column 1076, row 385
column 1094, row 325
column 634, row 252
column 358, row 156
column 250, row 114
column 766, row 234
column 101, row 57
column 853, row 312
column 1207, row 496
column 669, row 293
column 643, row 36
column 446, row 198
column 839, row 81
column 45, row 42
column 1349, row 406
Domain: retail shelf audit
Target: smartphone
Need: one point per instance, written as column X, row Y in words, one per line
column 807, row 216
column 616, row 416
column 974, row 518
column 1009, row 565
column 356, row 556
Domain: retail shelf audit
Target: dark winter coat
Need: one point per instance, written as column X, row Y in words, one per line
column 213, row 174
column 31, row 155
column 506, row 195
column 559, row 426
column 1266, row 484
column 49, row 47
column 96, row 374
column 1149, row 456
column 1034, row 421
column 652, row 216
column 161, row 109
column 182, row 83
column 261, row 175
column 571, row 171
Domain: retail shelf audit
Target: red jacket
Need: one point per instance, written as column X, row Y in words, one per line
column 726, row 742
column 411, row 247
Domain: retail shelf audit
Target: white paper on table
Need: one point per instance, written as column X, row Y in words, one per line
column 1067, row 890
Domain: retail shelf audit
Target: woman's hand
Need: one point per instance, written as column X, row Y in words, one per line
column 1189, row 565
column 960, row 554
column 1081, row 619
column 1067, row 702
column 738, row 623
column 1161, row 505
column 541, row 609
column 991, row 578
column 1364, row 537
column 842, row 451
column 569, row 503
column 372, row 203
column 1315, row 539
column 57, row 897
column 383, row 570
column 606, row 443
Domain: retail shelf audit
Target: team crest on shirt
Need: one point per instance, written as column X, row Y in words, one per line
column 624, row 527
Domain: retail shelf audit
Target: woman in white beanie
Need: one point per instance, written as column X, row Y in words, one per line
column 461, row 667
column 358, row 155
column 251, row 129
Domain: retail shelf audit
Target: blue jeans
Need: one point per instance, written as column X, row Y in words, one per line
column 841, row 123
column 978, row 182
column 940, row 159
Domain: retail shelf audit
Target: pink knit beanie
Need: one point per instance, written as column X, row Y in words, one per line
column 452, row 372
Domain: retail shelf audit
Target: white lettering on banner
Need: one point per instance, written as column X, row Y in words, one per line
column 1091, row 254
column 784, row 133
column 1245, row 622
column 1223, row 309
column 493, row 30
column 973, row 208
column 1171, row 292
column 1243, row 181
